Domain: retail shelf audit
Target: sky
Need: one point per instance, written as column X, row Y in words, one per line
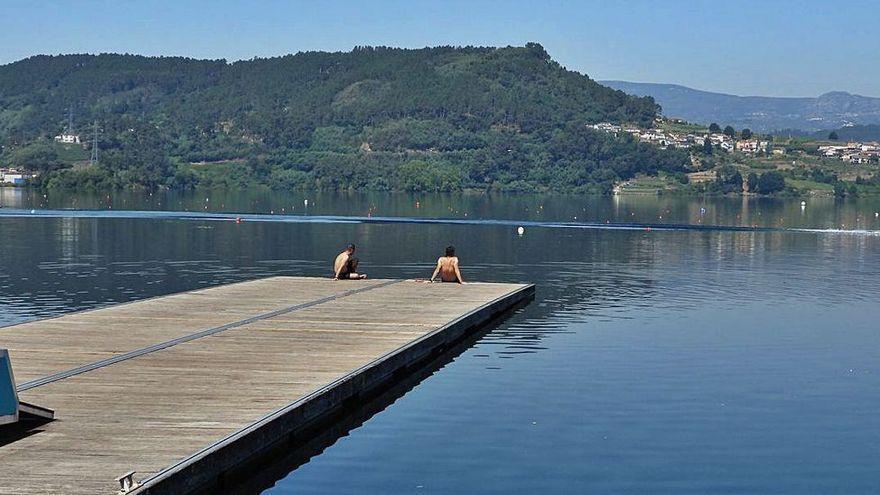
column 769, row 47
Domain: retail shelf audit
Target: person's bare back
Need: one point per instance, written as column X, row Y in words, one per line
column 345, row 265
column 447, row 267
column 340, row 261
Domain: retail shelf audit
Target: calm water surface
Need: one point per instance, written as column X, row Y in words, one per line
column 651, row 361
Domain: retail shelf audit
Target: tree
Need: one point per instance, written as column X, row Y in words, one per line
column 771, row 182
column 752, row 181
column 681, row 177
column 137, row 152
column 728, row 179
column 746, row 133
column 833, row 136
column 730, row 132
column 714, row 128
column 707, row 147
column 819, row 175
column 39, row 156
column 476, row 117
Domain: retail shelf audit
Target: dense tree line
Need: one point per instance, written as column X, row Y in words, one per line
column 439, row 118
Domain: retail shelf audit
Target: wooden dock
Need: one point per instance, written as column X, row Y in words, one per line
column 186, row 387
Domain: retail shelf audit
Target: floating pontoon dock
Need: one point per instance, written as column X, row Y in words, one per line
column 181, row 389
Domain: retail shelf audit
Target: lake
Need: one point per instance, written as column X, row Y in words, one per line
column 660, row 355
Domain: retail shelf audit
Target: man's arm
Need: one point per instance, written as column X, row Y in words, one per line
column 457, row 271
column 436, row 270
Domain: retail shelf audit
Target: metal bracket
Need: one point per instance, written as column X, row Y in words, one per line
column 127, row 483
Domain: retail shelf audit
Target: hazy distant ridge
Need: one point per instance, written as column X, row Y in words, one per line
column 760, row 113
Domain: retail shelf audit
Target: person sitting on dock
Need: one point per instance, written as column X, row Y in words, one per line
column 345, row 265
column 447, row 267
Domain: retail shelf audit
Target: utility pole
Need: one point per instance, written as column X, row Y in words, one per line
column 94, row 158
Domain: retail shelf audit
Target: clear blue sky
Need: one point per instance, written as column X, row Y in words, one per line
column 769, row 47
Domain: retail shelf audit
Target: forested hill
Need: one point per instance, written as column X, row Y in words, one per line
column 385, row 118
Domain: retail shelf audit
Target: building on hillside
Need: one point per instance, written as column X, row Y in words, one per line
column 856, row 158
column 654, row 136
column 844, row 151
column 606, row 127
column 717, row 138
column 14, row 177
column 752, row 146
column 830, row 150
column 680, row 141
column 721, row 141
column 67, row 138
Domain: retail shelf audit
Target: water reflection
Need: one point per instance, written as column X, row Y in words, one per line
column 821, row 213
column 745, row 356
column 269, row 469
column 54, row 265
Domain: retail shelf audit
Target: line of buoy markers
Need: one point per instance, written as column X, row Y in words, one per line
column 262, row 217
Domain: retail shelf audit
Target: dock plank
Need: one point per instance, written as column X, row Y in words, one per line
column 153, row 410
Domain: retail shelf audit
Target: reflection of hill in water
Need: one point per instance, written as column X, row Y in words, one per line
column 620, row 273
column 606, row 341
column 823, row 213
column 55, row 265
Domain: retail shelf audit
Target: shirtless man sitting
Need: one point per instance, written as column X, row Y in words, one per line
column 345, row 265
column 447, row 267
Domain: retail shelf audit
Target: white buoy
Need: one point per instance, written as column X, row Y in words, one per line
column 876, row 214
column 305, row 202
column 803, row 204
column 33, row 211
column 520, row 230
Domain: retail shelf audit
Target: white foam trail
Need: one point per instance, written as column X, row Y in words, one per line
column 838, row 231
column 330, row 219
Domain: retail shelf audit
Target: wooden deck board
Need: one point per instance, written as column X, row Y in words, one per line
column 80, row 338
column 150, row 411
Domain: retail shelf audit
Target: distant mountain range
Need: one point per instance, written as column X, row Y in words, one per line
column 759, row 113
column 869, row 132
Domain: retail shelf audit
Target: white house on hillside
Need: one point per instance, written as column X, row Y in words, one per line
column 67, row 138
column 15, row 177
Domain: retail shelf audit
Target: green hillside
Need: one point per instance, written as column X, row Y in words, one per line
column 440, row 118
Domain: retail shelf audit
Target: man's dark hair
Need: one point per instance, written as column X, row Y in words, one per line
column 450, row 250
column 350, row 247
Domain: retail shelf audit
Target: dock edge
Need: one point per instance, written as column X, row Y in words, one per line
column 207, row 467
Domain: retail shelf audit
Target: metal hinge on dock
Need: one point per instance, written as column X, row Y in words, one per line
column 127, row 483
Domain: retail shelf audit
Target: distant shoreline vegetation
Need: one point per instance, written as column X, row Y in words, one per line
column 438, row 119
column 375, row 118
